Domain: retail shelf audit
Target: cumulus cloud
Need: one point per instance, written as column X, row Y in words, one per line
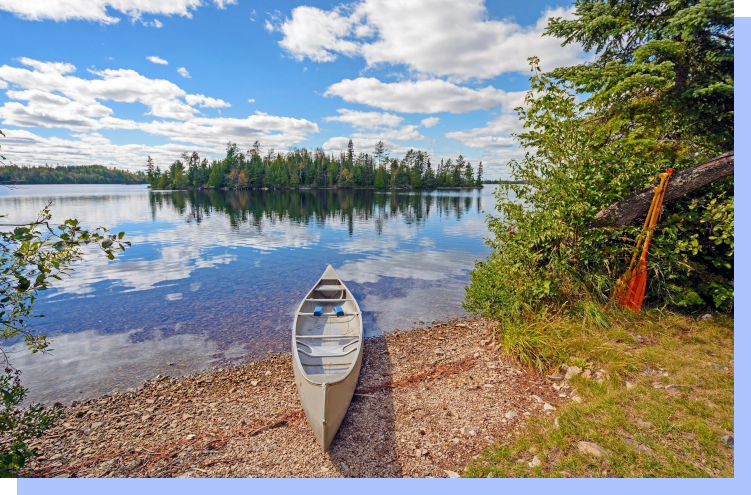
column 49, row 96
column 183, row 72
column 441, row 38
column 365, row 119
column 393, row 138
column 429, row 122
column 96, row 10
column 206, row 101
column 251, row 100
column 495, row 134
column 157, row 60
column 424, row 96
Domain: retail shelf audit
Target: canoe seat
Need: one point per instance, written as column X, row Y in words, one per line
column 327, row 351
column 329, row 288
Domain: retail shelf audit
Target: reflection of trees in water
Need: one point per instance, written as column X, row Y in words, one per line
column 318, row 207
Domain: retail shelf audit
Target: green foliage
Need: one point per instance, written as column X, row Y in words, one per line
column 640, row 115
column 302, row 168
column 72, row 174
column 19, row 426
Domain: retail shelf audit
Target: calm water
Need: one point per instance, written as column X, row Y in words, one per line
column 214, row 277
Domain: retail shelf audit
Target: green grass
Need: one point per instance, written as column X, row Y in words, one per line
column 680, row 432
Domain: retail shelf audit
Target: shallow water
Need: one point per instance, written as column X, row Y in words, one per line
column 214, row 277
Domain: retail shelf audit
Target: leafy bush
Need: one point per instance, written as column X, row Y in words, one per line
column 658, row 95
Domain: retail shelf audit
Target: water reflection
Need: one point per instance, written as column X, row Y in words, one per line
column 223, row 271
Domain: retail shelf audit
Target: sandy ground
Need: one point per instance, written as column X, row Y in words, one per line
column 428, row 401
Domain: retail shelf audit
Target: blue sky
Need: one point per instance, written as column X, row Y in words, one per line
column 83, row 82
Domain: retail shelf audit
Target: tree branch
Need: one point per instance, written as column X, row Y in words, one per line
column 681, row 183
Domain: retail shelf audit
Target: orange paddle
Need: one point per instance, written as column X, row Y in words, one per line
column 630, row 288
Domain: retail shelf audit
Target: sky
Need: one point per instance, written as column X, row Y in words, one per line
column 114, row 81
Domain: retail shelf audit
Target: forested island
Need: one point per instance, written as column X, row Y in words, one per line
column 68, row 174
column 303, row 168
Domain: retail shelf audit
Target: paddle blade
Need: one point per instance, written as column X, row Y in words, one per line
column 636, row 288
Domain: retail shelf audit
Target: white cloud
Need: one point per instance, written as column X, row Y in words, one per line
column 96, row 10
column 442, row 38
column 157, row 60
column 51, row 97
column 183, row 72
column 366, row 141
column 429, row 122
column 157, row 23
column 496, row 134
column 365, row 119
column 122, row 85
column 206, row 101
column 251, row 100
column 316, row 34
column 425, row 96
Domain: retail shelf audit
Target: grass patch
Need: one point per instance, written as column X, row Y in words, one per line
column 645, row 431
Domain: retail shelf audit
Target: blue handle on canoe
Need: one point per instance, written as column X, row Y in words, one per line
column 317, row 311
column 339, row 311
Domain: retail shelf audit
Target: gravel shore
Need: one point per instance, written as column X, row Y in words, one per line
column 428, row 400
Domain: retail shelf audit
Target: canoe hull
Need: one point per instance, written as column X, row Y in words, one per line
column 327, row 349
column 319, row 405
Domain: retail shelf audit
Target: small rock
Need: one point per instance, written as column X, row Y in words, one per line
column 556, row 376
column 629, row 385
column 548, row 407
column 587, row 374
column 592, row 449
column 137, row 434
column 490, row 475
column 96, row 425
column 187, row 416
column 707, row 317
column 658, row 385
column 555, row 422
column 451, row 474
column 728, row 439
column 537, row 398
column 439, row 352
column 145, row 417
column 468, row 430
column 86, row 431
column 489, row 385
column 571, row 372
column 576, row 399
column 536, row 462
column 511, row 415
column 268, row 373
column 644, row 450
column 673, row 389
column 190, row 437
column 173, row 424
column 717, row 367
column 254, row 382
column 564, row 368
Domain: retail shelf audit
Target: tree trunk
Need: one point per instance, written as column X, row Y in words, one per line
column 681, row 183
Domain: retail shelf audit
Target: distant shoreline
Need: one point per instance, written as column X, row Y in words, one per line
column 315, row 188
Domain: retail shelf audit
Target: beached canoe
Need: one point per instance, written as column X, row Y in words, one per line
column 327, row 343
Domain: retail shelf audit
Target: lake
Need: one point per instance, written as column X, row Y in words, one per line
column 214, row 277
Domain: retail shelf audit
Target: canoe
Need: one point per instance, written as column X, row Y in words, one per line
column 327, row 343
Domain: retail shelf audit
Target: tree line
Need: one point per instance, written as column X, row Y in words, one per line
column 68, row 174
column 254, row 169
